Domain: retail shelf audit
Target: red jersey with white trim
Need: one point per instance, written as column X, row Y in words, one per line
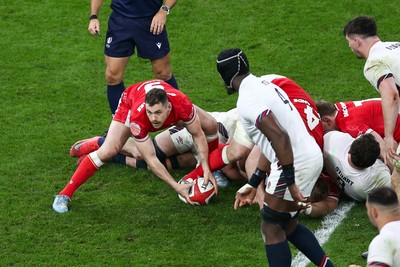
column 360, row 117
column 304, row 104
column 132, row 111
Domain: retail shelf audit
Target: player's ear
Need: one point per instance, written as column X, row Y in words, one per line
column 169, row 106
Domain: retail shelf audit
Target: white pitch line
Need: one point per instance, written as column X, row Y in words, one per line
column 328, row 225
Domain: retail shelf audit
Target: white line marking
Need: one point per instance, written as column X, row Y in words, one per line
column 328, row 225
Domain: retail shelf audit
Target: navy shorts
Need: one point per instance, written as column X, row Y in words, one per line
column 124, row 35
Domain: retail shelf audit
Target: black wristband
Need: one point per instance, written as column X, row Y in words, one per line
column 257, row 177
column 93, row 17
column 288, row 174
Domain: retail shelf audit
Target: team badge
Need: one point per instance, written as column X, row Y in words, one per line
column 135, row 129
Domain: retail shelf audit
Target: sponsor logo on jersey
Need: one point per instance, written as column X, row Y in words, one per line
column 344, row 109
column 135, row 129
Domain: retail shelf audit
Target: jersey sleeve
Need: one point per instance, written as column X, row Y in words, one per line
column 374, row 70
column 186, row 111
column 380, row 250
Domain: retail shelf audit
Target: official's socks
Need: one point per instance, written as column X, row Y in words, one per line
column 114, row 93
column 173, row 82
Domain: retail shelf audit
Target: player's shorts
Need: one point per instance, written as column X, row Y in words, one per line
column 242, row 137
column 182, row 139
column 306, row 174
column 125, row 34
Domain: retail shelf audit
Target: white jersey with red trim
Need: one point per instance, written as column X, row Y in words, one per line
column 383, row 59
column 385, row 247
column 354, row 183
column 258, row 95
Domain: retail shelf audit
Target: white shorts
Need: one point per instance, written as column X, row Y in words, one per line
column 242, row 137
column 306, row 175
column 182, row 140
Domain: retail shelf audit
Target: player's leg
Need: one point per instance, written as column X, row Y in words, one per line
column 163, row 71
column 154, row 47
column 118, row 134
column 115, row 69
column 118, row 48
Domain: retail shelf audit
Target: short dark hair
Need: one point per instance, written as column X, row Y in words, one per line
column 325, row 108
column 385, row 196
column 156, row 96
column 231, row 63
column 362, row 25
column 364, row 151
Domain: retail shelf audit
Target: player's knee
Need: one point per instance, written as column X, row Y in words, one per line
column 162, row 74
column 113, row 77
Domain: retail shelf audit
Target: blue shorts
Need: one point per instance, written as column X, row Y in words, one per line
column 125, row 34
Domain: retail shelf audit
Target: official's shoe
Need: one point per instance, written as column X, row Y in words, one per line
column 84, row 147
column 60, row 203
column 364, row 255
column 222, row 181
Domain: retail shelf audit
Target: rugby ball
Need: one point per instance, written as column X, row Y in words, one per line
column 199, row 194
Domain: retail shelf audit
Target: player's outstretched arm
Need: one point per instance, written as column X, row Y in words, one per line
column 146, row 148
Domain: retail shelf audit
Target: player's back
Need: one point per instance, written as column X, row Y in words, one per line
column 304, row 104
column 257, row 95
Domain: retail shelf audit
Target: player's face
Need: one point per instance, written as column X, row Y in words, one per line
column 157, row 114
column 354, row 45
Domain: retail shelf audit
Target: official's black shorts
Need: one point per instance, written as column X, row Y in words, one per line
column 124, row 35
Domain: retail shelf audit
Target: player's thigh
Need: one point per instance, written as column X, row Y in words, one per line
column 237, row 151
column 115, row 68
column 208, row 123
column 162, row 67
column 117, row 135
column 240, row 136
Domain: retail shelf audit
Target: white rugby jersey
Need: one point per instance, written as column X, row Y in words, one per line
column 257, row 95
column 385, row 247
column 383, row 58
column 354, row 183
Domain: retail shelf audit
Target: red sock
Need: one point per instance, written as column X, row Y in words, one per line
column 215, row 161
column 212, row 144
column 84, row 171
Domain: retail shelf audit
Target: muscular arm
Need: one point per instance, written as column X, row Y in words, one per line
column 278, row 137
column 170, row 3
column 390, row 107
column 148, row 152
column 323, row 207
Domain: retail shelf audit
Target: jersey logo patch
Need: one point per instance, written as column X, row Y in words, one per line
column 135, row 129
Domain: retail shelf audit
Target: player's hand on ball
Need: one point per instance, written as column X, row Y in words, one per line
column 183, row 190
column 209, row 177
column 245, row 196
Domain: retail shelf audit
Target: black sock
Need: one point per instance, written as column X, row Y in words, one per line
column 114, row 94
column 303, row 239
